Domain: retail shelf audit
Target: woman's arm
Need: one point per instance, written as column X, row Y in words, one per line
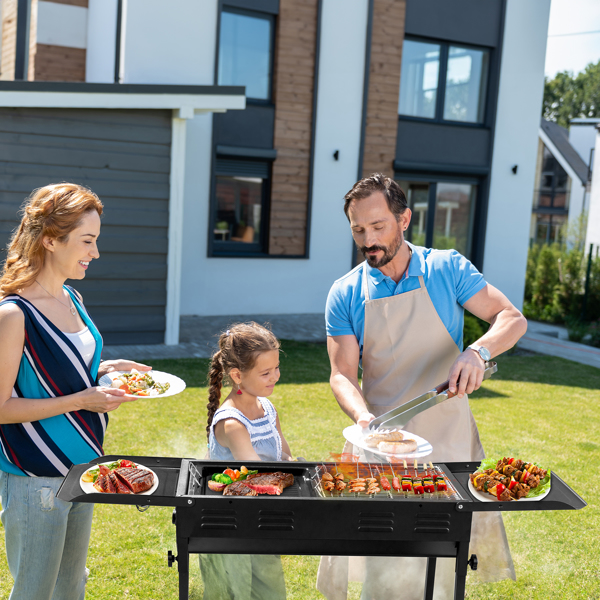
column 287, row 453
column 230, row 433
column 23, row 410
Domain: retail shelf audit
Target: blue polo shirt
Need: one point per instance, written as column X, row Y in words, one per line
column 449, row 277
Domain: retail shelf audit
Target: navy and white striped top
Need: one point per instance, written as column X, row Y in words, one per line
column 51, row 366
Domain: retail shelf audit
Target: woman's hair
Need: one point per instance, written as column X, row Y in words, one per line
column 54, row 210
column 239, row 348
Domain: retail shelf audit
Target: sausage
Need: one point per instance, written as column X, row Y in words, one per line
column 385, row 483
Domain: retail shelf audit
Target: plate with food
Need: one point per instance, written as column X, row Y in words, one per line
column 395, row 443
column 147, row 384
column 119, row 477
column 508, row 480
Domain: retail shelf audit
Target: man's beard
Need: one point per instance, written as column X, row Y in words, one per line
column 388, row 252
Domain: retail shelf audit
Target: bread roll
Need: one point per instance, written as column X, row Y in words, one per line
column 402, row 447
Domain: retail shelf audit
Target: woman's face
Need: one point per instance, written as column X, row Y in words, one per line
column 72, row 257
column 261, row 379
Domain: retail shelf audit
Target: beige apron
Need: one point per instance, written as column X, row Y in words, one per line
column 407, row 351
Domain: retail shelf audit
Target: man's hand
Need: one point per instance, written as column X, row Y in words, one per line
column 466, row 374
column 364, row 419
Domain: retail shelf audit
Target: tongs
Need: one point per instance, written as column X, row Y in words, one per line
column 400, row 416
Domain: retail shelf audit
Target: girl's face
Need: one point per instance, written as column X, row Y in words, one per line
column 261, row 379
column 72, row 257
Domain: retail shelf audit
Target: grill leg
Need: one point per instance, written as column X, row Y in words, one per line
column 183, row 566
column 430, row 578
column 462, row 557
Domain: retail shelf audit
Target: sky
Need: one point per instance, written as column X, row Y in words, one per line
column 573, row 52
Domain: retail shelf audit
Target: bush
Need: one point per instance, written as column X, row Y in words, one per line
column 473, row 329
column 544, row 285
column 568, row 294
column 576, row 329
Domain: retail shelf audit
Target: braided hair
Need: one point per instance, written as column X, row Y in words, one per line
column 239, row 348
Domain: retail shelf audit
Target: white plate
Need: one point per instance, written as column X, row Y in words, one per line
column 88, row 486
column 177, row 385
column 485, row 497
column 356, row 435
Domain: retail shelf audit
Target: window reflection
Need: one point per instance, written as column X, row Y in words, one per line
column 417, row 196
column 245, row 53
column 419, row 79
column 466, row 79
column 239, row 203
column 454, row 204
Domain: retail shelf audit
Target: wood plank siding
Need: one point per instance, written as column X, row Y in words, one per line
column 9, row 40
column 124, row 156
column 293, row 94
column 384, row 86
column 57, row 63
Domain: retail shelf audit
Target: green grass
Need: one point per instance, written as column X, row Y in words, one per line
column 539, row 408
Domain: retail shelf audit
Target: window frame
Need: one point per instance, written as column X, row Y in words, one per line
column 218, row 249
column 441, row 89
column 432, row 180
column 266, row 16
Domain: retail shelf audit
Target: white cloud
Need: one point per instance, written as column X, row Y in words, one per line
column 574, row 52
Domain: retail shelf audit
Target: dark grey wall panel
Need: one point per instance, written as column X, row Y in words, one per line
column 124, row 156
column 434, row 143
column 254, row 127
column 469, row 21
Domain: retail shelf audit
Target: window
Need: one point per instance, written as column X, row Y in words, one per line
column 443, row 82
column 239, row 214
column 245, row 52
column 443, row 214
column 553, row 188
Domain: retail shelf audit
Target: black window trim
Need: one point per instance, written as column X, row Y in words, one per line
column 441, row 89
column 267, row 16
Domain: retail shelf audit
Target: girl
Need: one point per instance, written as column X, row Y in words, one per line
column 245, row 427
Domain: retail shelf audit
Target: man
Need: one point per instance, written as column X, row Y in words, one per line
column 400, row 313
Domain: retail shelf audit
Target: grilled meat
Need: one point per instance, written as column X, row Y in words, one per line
column 239, row 488
column 120, row 487
column 137, row 480
column 269, row 483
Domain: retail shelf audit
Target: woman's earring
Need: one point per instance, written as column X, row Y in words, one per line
column 239, row 391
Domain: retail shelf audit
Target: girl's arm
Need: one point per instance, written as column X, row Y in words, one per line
column 287, row 453
column 231, row 434
column 23, row 410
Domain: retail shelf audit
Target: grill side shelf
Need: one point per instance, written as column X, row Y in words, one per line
column 166, row 469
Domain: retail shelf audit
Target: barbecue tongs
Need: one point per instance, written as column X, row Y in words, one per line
column 399, row 417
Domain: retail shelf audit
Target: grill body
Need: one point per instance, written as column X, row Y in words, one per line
column 303, row 520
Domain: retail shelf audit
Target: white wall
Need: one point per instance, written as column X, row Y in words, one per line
column 101, row 41
column 221, row 286
column 515, row 143
column 61, row 25
column 593, row 231
column 583, row 137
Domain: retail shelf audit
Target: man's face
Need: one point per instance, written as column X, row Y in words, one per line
column 375, row 229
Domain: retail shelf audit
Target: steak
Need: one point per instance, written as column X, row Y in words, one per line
column 120, row 487
column 239, row 488
column 136, row 480
column 269, row 483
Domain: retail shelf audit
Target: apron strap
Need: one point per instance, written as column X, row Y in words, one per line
column 365, row 282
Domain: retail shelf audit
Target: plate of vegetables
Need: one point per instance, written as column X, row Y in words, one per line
column 219, row 481
column 147, row 384
column 508, row 479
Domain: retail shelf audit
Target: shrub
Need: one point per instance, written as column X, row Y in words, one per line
column 546, row 280
column 568, row 293
column 576, row 329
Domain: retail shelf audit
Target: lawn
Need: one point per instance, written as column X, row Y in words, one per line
column 539, row 408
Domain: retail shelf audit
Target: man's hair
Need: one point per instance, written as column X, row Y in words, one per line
column 378, row 182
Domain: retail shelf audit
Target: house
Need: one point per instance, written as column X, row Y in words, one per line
column 444, row 96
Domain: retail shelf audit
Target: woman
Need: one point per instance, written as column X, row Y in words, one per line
column 52, row 413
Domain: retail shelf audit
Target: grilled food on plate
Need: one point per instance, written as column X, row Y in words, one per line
column 510, row 479
column 120, row 477
column 374, row 439
column 139, row 384
column 401, row 447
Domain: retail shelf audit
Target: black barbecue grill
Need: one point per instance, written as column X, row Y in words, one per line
column 305, row 520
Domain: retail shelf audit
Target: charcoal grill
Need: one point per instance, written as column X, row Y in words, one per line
column 306, row 521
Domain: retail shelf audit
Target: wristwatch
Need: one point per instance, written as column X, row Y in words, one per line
column 482, row 351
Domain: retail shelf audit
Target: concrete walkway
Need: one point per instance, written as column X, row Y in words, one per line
column 199, row 338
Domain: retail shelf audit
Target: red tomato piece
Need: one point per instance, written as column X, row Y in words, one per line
column 230, row 473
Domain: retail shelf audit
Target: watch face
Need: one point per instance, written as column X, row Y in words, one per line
column 485, row 353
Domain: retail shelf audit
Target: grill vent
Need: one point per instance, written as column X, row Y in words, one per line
column 432, row 523
column 276, row 520
column 218, row 519
column 376, row 522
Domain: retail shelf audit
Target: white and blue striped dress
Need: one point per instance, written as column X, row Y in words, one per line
column 264, row 436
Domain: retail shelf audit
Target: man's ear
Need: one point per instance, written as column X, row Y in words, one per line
column 405, row 219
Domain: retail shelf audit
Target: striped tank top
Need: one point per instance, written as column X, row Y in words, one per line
column 52, row 366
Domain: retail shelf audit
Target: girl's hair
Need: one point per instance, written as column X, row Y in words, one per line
column 239, row 348
column 54, row 210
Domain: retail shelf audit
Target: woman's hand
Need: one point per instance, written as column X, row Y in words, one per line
column 108, row 366
column 101, row 399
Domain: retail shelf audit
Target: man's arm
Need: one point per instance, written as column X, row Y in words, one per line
column 344, row 355
column 507, row 325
